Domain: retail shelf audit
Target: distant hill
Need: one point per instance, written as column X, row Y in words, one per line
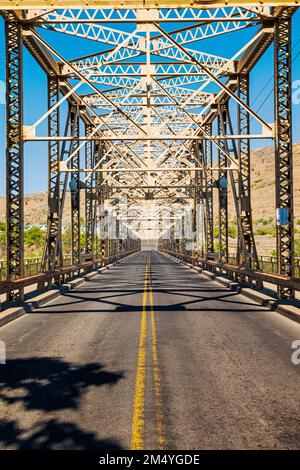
column 262, row 181
column 36, row 208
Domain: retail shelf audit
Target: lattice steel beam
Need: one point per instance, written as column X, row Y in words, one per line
column 190, row 15
column 101, row 245
column 75, row 188
column 51, row 256
column 283, row 150
column 223, row 187
column 200, row 191
column 208, row 176
column 89, row 194
column 153, row 4
column 14, row 150
column 247, row 256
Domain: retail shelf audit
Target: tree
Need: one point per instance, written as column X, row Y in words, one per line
column 34, row 236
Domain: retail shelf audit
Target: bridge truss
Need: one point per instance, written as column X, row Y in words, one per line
column 154, row 118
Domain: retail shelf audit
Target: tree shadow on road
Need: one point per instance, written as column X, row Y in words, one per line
column 53, row 435
column 49, row 383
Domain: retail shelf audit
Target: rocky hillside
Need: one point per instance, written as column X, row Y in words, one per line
column 36, row 208
column 263, row 176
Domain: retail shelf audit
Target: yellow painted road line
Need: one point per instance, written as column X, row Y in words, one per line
column 156, row 373
column 138, row 420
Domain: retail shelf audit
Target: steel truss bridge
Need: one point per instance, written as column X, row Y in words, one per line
column 153, row 117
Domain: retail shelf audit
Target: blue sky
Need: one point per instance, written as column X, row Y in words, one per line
column 35, row 91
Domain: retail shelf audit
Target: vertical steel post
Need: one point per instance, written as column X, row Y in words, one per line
column 247, row 256
column 75, row 188
column 200, row 193
column 51, row 256
column 223, row 188
column 194, row 209
column 14, row 150
column 208, row 161
column 99, row 219
column 89, row 195
column 283, row 150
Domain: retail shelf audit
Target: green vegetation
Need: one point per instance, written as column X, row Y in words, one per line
column 263, row 221
column 266, row 231
column 216, row 245
column 34, row 237
column 259, row 184
column 67, row 237
column 264, row 226
column 232, row 229
column 2, row 239
column 267, row 221
column 297, row 248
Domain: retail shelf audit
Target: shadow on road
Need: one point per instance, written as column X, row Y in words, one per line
column 49, row 384
column 52, row 434
column 195, row 300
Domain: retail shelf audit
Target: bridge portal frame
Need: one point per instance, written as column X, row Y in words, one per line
column 283, row 145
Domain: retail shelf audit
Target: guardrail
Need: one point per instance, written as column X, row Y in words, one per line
column 237, row 272
column 32, row 266
column 268, row 264
column 58, row 276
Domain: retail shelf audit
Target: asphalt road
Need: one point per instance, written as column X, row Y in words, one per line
column 150, row 354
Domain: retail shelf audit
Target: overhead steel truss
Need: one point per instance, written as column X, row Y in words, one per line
column 132, row 4
column 153, row 114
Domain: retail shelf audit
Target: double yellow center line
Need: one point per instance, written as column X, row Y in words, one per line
column 138, row 420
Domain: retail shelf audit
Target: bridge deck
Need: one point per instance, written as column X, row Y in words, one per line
column 150, row 354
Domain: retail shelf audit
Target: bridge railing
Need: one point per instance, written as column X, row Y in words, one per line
column 44, row 280
column 32, row 266
column 268, row 263
column 239, row 273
